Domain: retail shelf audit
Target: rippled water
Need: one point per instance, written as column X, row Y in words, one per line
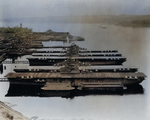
column 133, row 43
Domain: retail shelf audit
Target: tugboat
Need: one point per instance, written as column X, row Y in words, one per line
column 75, row 71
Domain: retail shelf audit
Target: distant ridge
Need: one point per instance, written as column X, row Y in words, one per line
column 81, row 19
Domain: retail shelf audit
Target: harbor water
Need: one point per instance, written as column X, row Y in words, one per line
column 132, row 43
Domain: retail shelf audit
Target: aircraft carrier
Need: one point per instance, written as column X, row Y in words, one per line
column 92, row 57
column 74, row 69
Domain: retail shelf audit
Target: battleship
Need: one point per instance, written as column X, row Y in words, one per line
column 74, row 69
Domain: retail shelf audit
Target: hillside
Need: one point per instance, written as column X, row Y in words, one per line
column 7, row 113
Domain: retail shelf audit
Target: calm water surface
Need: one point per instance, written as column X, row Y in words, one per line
column 133, row 43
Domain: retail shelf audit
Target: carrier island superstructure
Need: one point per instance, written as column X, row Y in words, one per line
column 74, row 68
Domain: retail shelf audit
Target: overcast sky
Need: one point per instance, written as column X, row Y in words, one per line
column 41, row 8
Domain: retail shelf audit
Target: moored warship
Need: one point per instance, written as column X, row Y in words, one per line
column 75, row 68
column 92, row 57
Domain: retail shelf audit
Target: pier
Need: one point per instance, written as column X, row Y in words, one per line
column 4, row 80
column 16, row 62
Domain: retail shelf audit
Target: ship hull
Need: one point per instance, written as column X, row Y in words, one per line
column 23, row 90
column 35, row 90
column 71, row 84
column 51, row 62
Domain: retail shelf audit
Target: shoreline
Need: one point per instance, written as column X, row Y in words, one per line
column 17, row 41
